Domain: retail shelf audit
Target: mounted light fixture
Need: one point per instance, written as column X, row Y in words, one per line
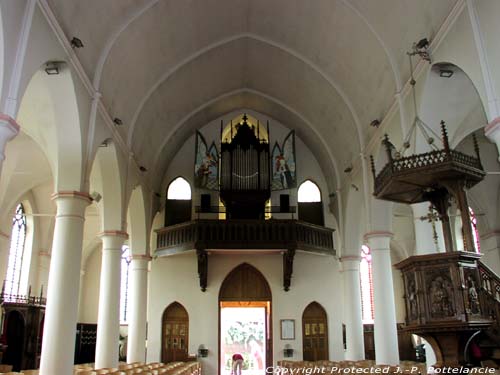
column 143, row 168
column 348, row 169
column 117, row 121
column 375, row 123
column 76, row 43
column 53, row 67
column 421, row 48
column 446, row 73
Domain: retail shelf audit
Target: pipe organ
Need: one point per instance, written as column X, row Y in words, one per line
column 245, row 181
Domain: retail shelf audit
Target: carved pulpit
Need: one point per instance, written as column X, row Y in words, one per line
column 443, row 296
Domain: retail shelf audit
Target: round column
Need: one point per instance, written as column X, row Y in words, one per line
column 108, row 319
column 386, row 335
column 352, row 309
column 58, row 346
column 136, row 346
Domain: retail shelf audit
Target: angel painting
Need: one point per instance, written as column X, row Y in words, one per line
column 206, row 166
column 283, row 164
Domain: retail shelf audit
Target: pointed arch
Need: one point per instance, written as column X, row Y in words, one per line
column 449, row 94
column 175, row 333
column 139, row 241
column 245, row 283
column 106, row 179
column 179, row 189
column 50, row 115
column 309, row 191
column 314, row 332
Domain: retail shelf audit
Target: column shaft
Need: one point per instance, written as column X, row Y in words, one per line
column 108, row 319
column 136, row 349
column 58, row 347
column 386, row 335
column 352, row 309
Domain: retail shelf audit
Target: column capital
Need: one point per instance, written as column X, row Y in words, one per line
column 71, row 204
column 492, row 129
column 114, row 233
column 8, row 124
column 490, row 234
column 378, row 234
column 4, row 235
column 144, row 257
column 71, row 194
column 350, row 263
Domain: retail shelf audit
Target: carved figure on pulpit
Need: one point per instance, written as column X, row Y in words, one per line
column 440, row 298
column 473, row 296
column 412, row 300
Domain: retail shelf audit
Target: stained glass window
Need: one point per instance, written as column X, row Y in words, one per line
column 125, row 277
column 16, row 253
column 366, row 279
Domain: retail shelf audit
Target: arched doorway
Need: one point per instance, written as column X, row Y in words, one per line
column 314, row 333
column 175, row 333
column 14, row 332
column 245, row 320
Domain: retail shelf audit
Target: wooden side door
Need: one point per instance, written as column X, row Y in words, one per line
column 175, row 333
column 314, row 333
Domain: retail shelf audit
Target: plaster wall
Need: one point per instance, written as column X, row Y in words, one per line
column 315, row 278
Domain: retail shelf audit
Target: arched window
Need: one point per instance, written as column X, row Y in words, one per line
column 309, row 192
column 18, row 239
column 366, row 278
column 179, row 189
column 125, row 277
column 309, row 203
column 475, row 231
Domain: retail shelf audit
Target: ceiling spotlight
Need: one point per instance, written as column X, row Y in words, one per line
column 117, row 121
column 104, row 144
column 445, row 73
column 375, row 123
column 52, row 67
column 143, row 168
column 348, row 169
column 76, row 42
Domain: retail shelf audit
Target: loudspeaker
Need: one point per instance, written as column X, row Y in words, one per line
column 284, row 203
column 206, row 202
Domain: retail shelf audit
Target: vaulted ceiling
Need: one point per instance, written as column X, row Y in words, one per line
column 325, row 67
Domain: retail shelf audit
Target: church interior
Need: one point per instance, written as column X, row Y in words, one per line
column 313, row 185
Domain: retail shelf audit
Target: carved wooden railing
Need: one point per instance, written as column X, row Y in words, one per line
column 244, row 234
column 424, row 160
column 490, row 293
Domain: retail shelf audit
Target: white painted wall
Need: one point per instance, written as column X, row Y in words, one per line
column 315, row 278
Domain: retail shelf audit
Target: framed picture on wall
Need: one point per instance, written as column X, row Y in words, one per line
column 287, row 327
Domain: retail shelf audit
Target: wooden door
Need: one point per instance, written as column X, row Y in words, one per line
column 175, row 333
column 314, row 333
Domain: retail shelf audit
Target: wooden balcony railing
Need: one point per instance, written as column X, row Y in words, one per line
column 490, row 293
column 286, row 235
column 244, row 234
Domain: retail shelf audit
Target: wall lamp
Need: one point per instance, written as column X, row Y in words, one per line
column 445, row 73
column 117, row 121
column 53, row 67
column 76, row 43
column 202, row 351
column 288, row 351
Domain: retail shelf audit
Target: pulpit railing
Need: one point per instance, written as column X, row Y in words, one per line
column 490, row 288
column 424, row 160
column 245, row 234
